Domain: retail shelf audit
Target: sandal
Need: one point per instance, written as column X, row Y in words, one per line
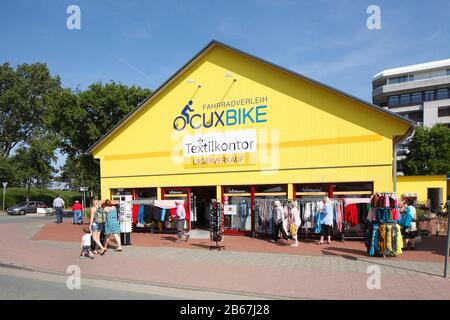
column 119, row 249
column 319, row 243
column 103, row 252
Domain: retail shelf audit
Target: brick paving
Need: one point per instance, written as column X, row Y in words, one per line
column 252, row 266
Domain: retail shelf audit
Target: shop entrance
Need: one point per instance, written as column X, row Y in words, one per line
column 200, row 201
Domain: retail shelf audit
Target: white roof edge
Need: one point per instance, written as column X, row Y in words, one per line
column 413, row 68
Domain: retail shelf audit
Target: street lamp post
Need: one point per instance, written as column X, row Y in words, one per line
column 447, row 249
column 4, row 193
column 83, row 190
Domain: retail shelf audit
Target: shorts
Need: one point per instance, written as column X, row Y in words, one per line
column 293, row 229
column 86, row 249
column 97, row 227
column 326, row 230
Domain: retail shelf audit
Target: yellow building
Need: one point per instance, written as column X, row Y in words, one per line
column 233, row 127
column 423, row 188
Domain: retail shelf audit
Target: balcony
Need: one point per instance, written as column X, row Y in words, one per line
column 411, row 85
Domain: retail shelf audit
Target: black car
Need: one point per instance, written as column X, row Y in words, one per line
column 26, row 207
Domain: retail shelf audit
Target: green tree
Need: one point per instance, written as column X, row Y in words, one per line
column 23, row 102
column 33, row 163
column 8, row 171
column 80, row 118
column 429, row 151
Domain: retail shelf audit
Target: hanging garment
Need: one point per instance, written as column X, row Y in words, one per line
column 382, row 238
column 135, row 211
column 351, row 214
column 363, row 212
column 165, row 204
column 386, row 203
column 383, row 214
column 389, row 238
column 308, row 211
column 243, row 213
column 318, row 223
column 395, row 214
column 340, row 209
column 373, row 246
column 399, row 239
column 375, row 201
column 141, row 214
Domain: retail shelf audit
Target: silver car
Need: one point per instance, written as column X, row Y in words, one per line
column 26, row 207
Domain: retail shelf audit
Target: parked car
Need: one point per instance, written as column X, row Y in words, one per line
column 27, row 207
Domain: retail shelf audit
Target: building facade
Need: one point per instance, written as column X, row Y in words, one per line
column 232, row 127
column 420, row 93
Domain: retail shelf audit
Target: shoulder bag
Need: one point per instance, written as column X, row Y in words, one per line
column 100, row 216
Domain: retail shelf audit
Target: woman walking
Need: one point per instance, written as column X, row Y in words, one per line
column 112, row 226
column 97, row 225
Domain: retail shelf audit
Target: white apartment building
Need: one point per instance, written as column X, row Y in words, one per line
column 419, row 92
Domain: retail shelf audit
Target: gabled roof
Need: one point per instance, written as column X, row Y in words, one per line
column 214, row 43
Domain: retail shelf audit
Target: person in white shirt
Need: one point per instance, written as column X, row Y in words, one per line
column 58, row 205
column 180, row 220
column 86, row 244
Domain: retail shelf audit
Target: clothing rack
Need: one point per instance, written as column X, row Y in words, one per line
column 303, row 227
column 384, row 237
column 266, row 222
column 216, row 225
column 154, row 226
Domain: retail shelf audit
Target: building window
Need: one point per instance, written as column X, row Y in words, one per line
column 442, row 94
column 448, row 72
column 415, row 116
column 429, row 95
column 405, row 99
column 401, row 79
column 416, row 98
column 393, row 101
column 444, row 112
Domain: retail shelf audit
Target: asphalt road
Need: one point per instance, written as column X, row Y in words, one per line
column 20, row 284
column 24, row 288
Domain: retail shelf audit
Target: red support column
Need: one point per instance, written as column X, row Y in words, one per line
column 252, row 206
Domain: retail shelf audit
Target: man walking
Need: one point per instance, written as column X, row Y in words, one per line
column 180, row 219
column 58, row 205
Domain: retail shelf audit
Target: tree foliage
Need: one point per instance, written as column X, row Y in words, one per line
column 82, row 117
column 23, row 102
column 429, row 151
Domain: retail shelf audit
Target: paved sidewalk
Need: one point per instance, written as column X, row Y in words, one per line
column 272, row 275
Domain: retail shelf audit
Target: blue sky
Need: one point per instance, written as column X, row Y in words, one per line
column 144, row 42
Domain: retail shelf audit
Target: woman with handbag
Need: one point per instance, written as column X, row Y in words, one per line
column 408, row 222
column 112, row 225
column 96, row 225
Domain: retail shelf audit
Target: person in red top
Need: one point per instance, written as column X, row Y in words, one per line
column 77, row 209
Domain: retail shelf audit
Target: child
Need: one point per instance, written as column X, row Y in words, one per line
column 86, row 244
